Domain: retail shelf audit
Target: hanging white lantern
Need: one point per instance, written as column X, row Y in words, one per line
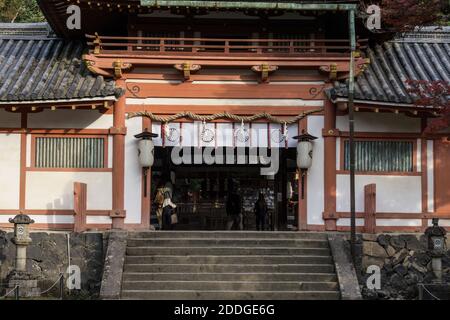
column 146, row 148
column 304, row 151
column 304, row 155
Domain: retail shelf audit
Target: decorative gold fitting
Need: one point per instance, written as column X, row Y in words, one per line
column 97, row 44
column 186, row 69
column 117, row 68
column 333, row 71
column 265, row 70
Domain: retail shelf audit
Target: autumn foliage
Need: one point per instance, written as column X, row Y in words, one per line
column 432, row 94
column 405, row 15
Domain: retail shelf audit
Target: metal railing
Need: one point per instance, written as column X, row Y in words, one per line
column 218, row 46
column 9, row 293
column 15, row 292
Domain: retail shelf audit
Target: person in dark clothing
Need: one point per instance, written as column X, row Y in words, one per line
column 233, row 208
column 167, row 211
column 261, row 212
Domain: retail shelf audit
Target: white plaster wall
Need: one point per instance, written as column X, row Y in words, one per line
column 110, row 151
column 98, row 220
column 9, row 171
column 54, row 190
column 78, row 119
column 442, row 223
column 419, row 155
column 28, row 151
column 315, row 204
column 394, row 193
column 430, row 174
column 380, row 122
column 338, row 153
column 53, row 219
column 345, row 222
column 133, row 173
column 399, row 222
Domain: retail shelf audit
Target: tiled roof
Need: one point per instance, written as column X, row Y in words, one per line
column 35, row 66
column 423, row 55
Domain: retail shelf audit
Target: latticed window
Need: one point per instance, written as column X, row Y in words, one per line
column 73, row 152
column 381, row 156
column 162, row 35
column 286, row 44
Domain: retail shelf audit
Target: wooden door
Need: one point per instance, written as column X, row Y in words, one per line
column 442, row 176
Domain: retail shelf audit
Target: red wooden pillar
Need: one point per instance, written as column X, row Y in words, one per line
column 329, row 134
column 424, row 174
column 370, row 208
column 302, row 203
column 79, row 206
column 23, row 159
column 118, row 179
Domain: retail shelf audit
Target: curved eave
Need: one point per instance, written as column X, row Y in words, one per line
column 59, row 101
column 266, row 5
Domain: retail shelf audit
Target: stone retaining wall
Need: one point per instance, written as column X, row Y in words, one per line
column 48, row 257
column 404, row 263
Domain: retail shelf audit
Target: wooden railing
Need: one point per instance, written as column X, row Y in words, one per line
column 215, row 46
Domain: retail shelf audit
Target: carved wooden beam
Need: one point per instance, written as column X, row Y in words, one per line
column 336, row 73
column 92, row 67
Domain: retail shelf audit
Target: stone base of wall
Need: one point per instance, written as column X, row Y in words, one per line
column 404, row 263
column 48, row 257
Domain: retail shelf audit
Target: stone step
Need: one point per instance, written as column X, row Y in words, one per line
column 230, row 286
column 229, row 295
column 230, row 268
column 228, row 242
column 229, row 234
column 231, row 259
column 223, row 250
column 166, row 276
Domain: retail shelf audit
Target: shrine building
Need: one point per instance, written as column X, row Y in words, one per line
column 225, row 91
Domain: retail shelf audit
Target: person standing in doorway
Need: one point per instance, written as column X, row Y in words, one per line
column 261, row 212
column 167, row 212
column 233, row 208
column 159, row 200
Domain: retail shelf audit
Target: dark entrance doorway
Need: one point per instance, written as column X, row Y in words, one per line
column 200, row 192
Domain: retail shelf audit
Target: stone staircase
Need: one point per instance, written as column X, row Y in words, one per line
column 228, row 265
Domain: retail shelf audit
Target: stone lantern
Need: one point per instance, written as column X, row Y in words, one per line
column 19, row 276
column 21, row 240
column 436, row 246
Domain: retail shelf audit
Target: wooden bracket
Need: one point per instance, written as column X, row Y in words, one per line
column 91, row 66
column 117, row 213
column 265, row 70
column 187, row 68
